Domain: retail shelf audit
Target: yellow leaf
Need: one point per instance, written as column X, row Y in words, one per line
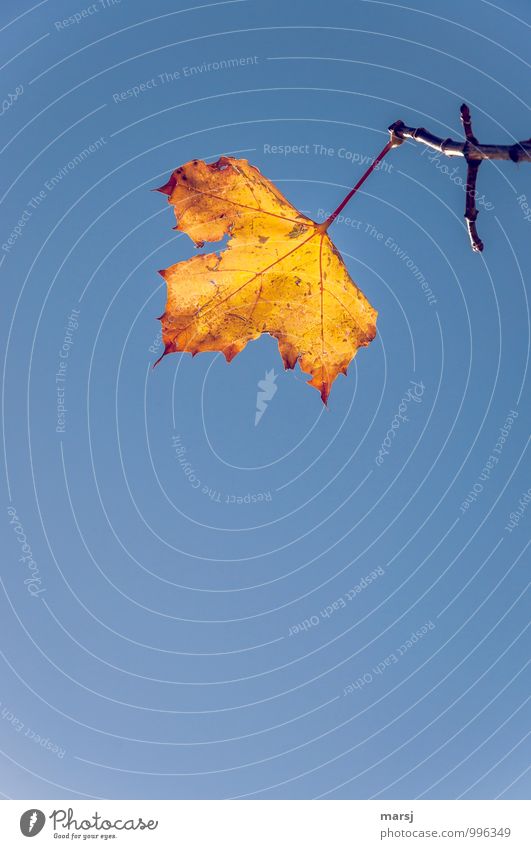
column 279, row 274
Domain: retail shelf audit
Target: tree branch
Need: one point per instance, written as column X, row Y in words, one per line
column 519, row 152
column 474, row 154
column 471, row 212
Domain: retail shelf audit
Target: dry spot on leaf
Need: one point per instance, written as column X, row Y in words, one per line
column 279, row 274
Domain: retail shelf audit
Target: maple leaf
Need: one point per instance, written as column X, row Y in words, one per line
column 279, row 274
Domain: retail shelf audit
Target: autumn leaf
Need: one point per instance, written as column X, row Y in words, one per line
column 279, row 274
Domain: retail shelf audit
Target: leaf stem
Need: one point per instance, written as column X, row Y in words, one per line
column 331, row 218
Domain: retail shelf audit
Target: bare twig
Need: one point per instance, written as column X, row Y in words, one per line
column 471, row 212
column 467, row 124
column 519, row 152
column 473, row 152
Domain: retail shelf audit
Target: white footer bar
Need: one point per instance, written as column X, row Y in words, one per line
column 268, row 824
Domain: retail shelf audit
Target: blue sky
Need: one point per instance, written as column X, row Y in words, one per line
column 319, row 604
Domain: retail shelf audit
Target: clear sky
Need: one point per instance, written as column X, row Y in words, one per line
column 201, row 603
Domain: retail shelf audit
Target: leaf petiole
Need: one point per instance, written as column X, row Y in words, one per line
column 331, row 218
